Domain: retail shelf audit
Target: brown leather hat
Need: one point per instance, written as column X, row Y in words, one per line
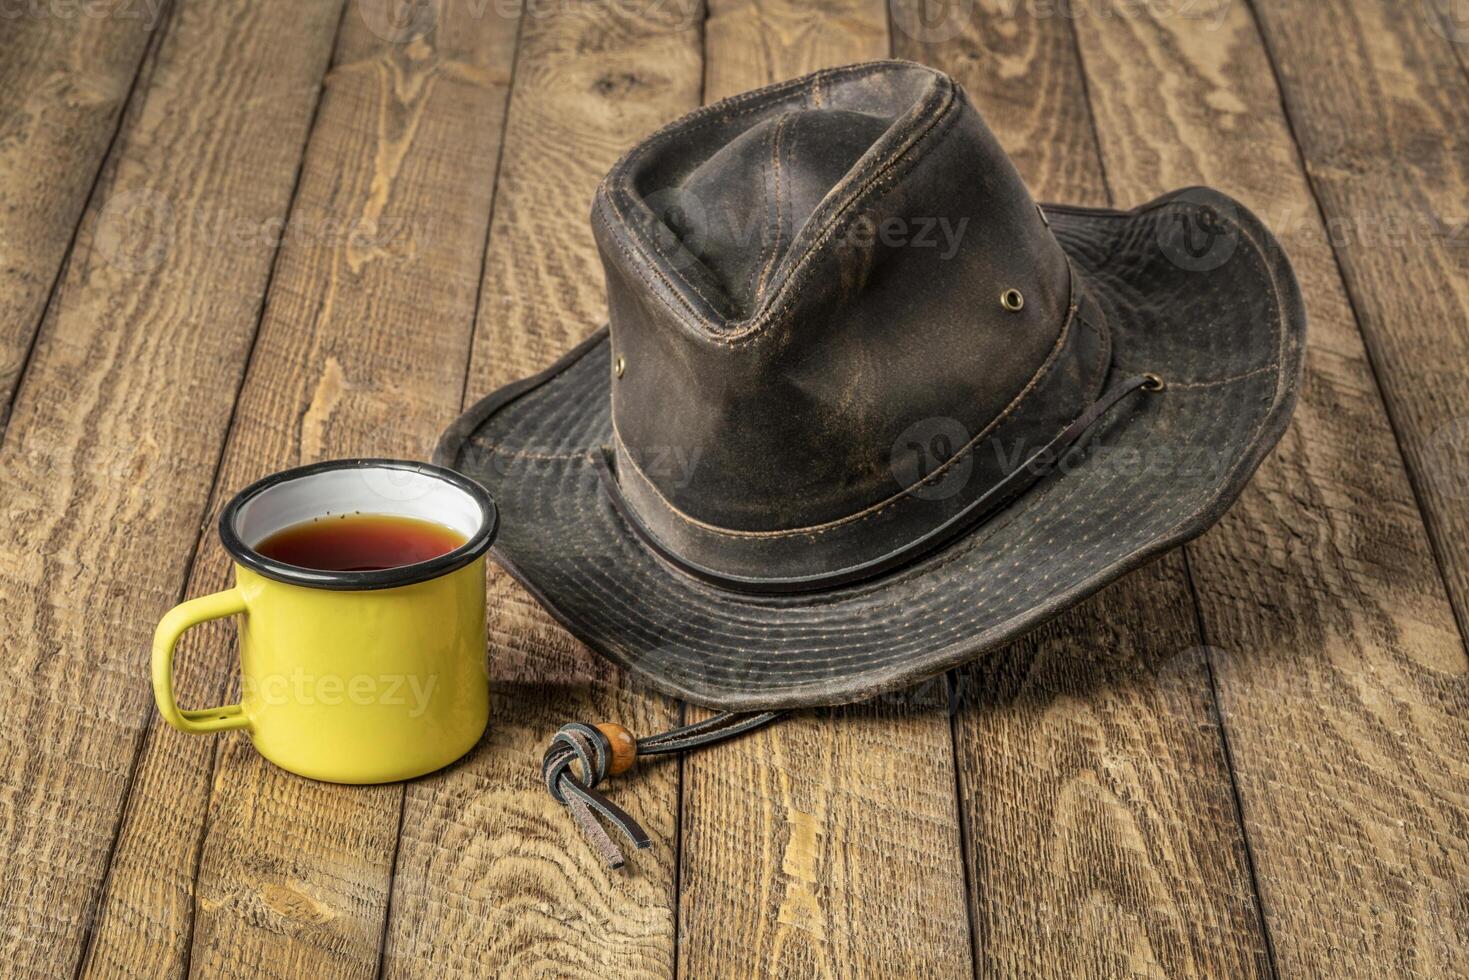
column 864, row 410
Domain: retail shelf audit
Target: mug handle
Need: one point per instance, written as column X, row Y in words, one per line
column 191, row 613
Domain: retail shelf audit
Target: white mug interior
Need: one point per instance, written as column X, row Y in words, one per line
column 377, row 490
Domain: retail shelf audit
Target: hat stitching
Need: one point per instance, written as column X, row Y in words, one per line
column 872, row 510
column 825, row 662
column 890, row 672
column 816, row 632
column 755, row 268
column 932, row 588
column 749, row 102
column 819, row 631
column 777, row 179
column 754, row 329
column 1262, row 279
column 617, row 196
column 719, row 112
column 1261, row 276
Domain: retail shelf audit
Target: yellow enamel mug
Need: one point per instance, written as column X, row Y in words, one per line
column 356, row 676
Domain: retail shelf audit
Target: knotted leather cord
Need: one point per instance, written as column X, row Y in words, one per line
column 583, row 743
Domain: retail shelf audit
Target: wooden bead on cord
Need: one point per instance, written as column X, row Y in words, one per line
column 624, row 747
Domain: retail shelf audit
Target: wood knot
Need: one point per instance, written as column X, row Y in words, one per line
column 616, row 84
column 294, row 904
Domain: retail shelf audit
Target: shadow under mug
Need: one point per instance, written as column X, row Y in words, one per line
column 357, row 676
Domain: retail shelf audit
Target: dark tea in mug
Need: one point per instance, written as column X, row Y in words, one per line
column 359, row 542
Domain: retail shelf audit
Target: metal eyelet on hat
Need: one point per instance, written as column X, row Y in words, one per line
column 1012, row 300
column 619, row 366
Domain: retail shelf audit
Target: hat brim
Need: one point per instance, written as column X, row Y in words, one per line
column 1221, row 321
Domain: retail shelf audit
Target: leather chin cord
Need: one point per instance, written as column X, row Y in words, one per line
column 607, row 749
column 610, row 749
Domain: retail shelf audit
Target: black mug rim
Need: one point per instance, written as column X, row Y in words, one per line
column 384, row 578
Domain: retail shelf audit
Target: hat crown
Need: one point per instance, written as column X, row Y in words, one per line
column 740, row 209
column 822, row 296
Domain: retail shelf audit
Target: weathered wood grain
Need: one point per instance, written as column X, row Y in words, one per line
column 750, row 43
column 1018, row 62
column 828, row 844
column 116, row 431
column 1104, row 834
column 361, row 352
column 1094, row 783
column 1394, row 186
column 1100, row 832
column 1450, row 20
column 64, row 79
column 1340, row 671
column 1378, row 96
column 492, row 876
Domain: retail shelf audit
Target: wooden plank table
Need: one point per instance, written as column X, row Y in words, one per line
column 239, row 235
